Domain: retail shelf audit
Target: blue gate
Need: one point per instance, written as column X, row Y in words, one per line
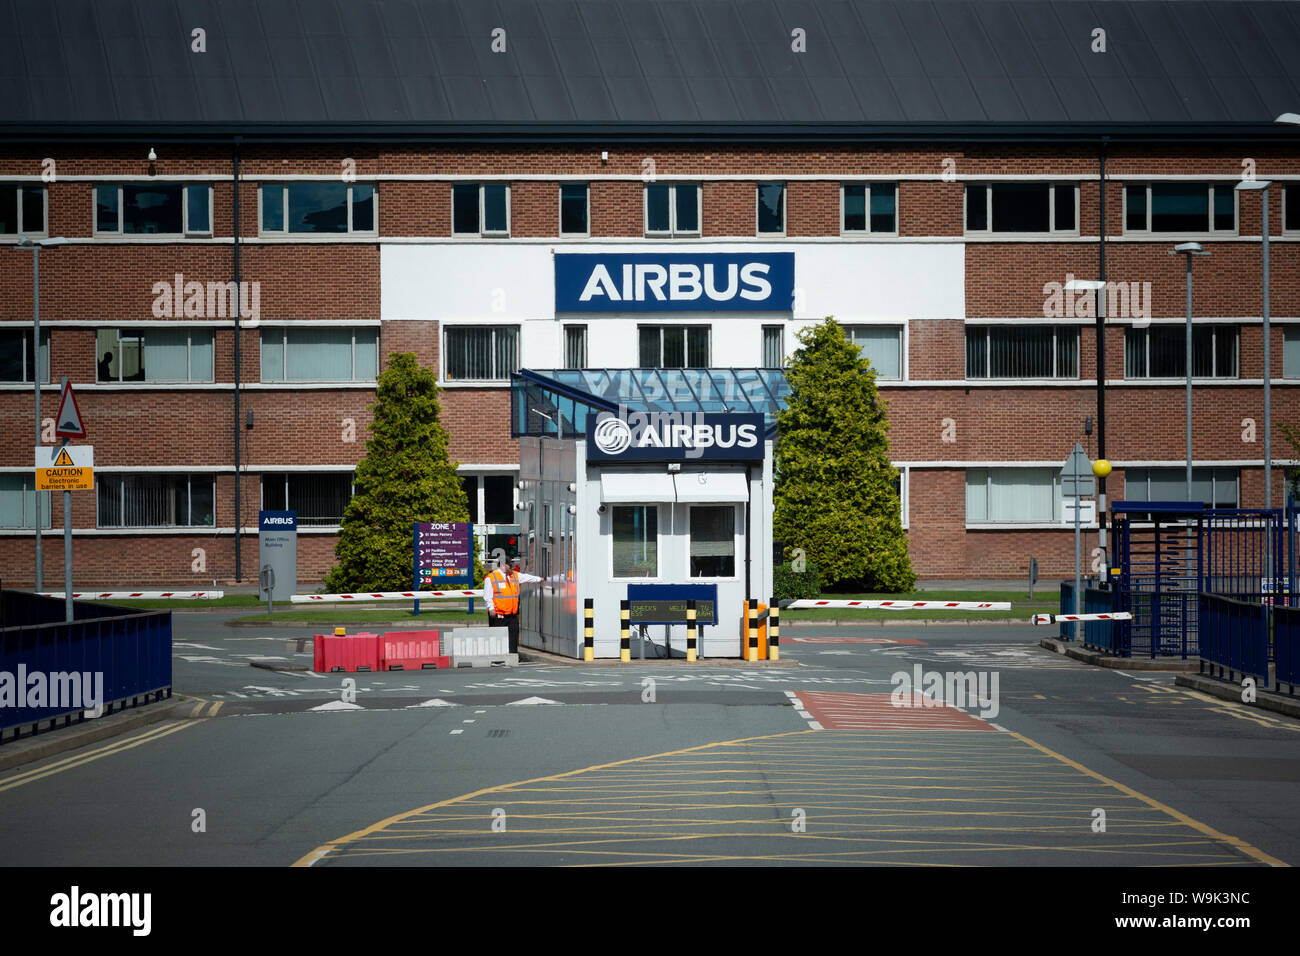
column 1170, row 552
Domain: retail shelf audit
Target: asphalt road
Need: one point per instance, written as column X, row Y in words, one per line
column 1061, row 764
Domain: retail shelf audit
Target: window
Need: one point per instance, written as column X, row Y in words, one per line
column 17, row 363
column 155, row 209
column 1022, row 351
column 320, row 354
column 575, row 346
column 318, row 497
column 771, row 208
column 1012, row 495
column 674, row 346
column 713, row 541
column 480, row 209
column 153, row 355
column 320, row 208
column 481, row 353
column 497, row 505
column 22, row 210
column 636, row 541
column 154, row 501
column 18, row 501
column 882, row 345
column 1291, row 207
column 1180, row 208
column 1160, row 351
column 870, row 208
column 574, row 210
column 1215, row 487
column 672, row 210
column 1291, row 351
column 1022, row 208
column 773, row 346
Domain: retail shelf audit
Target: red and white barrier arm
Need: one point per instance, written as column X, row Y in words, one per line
column 904, row 605
column 140, row 595
column 1053, row 618
column 381, row 596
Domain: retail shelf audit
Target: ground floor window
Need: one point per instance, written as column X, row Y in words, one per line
column 319, row 497
column 1012, row 495
column 713, row 541
column 1022, row 351
column 1216, row 487
column 18, row 502
column 1161, row 351
column 636, row 541
column 154, row 500
column 882, row 346
column 491, row 498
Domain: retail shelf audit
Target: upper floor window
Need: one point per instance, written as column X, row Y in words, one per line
column 1022, row 208
column 320, row 354
column 1291, row 207
column 480, row 209
column 771, row 209
column 17, row 363
column 22, row 210
column 1160, row 351
column 773, row 346
column 1022, row 351
column 674, row 346
column 481, row 353
column 1291, row 351
column 869, row 208
column 575, row 210
column 575, row 346
column 1012, row 495
column 319, row 497
column 163, row 209
column 153, row 355
column 1215, row 487
column 321, row 208
column 882, row 345
column 672, row 209
column 18, row 501
column 1180, row 208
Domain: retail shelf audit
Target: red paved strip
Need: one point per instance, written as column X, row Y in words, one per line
column 855, row 640
column 881, row 712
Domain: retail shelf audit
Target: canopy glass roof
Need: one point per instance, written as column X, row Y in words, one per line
column 558, row 402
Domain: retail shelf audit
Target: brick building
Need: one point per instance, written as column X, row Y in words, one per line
column 378, row 177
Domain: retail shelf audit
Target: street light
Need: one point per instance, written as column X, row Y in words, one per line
column 1189, row 249
column 1258, row 185
column 1292, row 118
column 35, row 246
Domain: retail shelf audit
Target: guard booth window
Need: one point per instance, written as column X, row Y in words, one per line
column 713, row 542
column 636, row 541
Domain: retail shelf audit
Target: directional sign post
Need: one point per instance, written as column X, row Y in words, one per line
column 1077, row 482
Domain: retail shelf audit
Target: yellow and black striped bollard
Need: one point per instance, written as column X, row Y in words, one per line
column 752, row 608
column 774, row 631
column 588, row 631
column 624, row 632
column 690, row 630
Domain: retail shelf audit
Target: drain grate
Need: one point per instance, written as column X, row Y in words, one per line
column 498, row 733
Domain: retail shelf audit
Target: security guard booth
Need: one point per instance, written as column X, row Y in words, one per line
column 658, row 479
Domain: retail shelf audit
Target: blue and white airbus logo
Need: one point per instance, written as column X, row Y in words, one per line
column 647, row 282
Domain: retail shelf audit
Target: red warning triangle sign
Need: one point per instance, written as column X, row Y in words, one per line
column 68, row 424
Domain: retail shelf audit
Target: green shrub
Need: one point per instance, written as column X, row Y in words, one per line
column 789, row 584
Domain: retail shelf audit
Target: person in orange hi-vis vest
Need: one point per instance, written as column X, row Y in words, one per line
column 501, row 595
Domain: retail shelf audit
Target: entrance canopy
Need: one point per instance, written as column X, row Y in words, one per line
column 558, row 403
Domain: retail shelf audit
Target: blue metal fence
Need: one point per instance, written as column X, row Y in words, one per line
column 1286, row 647
column 130, row 649
column 1096, row 634
column 1234, row 638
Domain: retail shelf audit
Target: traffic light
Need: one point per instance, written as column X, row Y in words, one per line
column 507, row 544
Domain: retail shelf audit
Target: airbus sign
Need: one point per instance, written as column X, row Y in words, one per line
column 655, row 282
column 676, row 436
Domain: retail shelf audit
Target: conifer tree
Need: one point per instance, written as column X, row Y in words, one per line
column 405, row 477
column 836, row 496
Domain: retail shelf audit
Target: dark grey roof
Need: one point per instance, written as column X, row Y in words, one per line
column 713, row 66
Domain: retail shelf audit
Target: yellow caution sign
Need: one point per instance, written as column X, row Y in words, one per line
column 65, row 468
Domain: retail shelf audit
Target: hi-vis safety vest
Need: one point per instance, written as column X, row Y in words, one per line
column 505, row 592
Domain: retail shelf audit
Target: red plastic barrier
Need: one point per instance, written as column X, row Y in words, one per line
column 411, row 651
column 318, row 653
column 348, row 653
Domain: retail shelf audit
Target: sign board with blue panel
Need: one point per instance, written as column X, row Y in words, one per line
column 277, row 549
column 444, row 555
column 674, row 282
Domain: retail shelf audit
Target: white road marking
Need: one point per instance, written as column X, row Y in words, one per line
column 436, row 702
column 454, row 732
column 338, row 705
column 531, row 700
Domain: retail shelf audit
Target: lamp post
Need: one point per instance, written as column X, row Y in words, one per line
column 1098, row 286
column 1261, row 185
column 35, row 245
column 1189, row 249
